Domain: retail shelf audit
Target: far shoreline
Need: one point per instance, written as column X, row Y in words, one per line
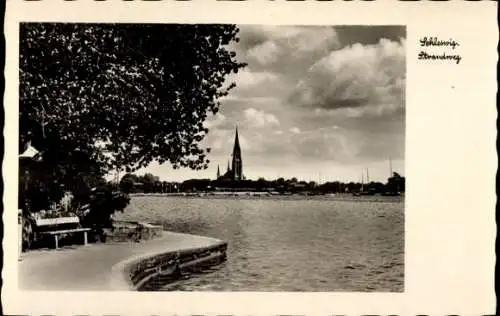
column 267, row 196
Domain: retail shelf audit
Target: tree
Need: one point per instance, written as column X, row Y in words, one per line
column 127, row 182
column 195, row 185
column 100, row 97
column 103, row 203
column 95, row 98
column 396, row 183
column 311, row 185
column 261, row 184
column 149, row 181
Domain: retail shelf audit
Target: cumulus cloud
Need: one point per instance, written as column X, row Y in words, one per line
column 247, row 78
column 277, row 56
column 215, row 120
column 265, row 53
column 274, row 47
column 313, row 96
column 259, row 118
column 221, row 142
column 356, row 76
column 220, row 121
column 316, row 95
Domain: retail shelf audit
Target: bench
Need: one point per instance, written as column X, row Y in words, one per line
column 60, row 225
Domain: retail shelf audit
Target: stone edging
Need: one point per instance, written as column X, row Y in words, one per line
column 134, row 273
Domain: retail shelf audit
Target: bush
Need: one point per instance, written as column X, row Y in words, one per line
column 87, row 196
column 103, row 203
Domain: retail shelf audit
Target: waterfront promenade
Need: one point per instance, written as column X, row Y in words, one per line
column 93, row 267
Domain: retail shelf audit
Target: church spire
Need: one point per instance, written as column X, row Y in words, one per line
column 237, row 170
column 218, row 172
column 236, row 149
column 228, row 169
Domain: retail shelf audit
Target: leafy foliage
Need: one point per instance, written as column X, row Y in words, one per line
column 396, row 183
column 100, row 97
column 149, row 183
column 103, row 203
column 132, row 183
column 108, row 96
column 128, row 181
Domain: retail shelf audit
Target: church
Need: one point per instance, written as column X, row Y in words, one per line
column 234, row 171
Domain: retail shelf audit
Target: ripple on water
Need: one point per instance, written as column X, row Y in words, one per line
column 288, row 245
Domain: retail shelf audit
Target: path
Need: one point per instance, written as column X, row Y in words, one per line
column 88, row 268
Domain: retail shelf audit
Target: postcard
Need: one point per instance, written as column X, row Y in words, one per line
column 249, row 158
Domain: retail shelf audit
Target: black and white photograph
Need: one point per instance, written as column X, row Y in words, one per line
column 249, row 158
column 212, row 157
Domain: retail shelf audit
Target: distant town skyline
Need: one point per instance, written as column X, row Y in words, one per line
column 318, row 103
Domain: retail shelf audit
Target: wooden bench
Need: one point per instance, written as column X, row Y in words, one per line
column 60, row 225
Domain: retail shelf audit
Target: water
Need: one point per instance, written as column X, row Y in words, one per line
column 289, row 244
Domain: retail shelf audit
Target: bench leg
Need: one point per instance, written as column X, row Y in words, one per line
column 85, row 238
column 56, row 238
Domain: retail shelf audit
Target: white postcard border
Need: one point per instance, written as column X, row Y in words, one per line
column 450, row 161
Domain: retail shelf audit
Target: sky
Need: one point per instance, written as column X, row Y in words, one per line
column 319, row 103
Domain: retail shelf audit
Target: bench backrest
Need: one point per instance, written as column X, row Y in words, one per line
column 45, row 224
column 57, row 221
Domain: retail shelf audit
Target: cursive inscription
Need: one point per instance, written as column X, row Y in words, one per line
column 443, row 56
column 434, row 41
column 428, row 43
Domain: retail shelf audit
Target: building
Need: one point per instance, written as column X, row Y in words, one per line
column 234, row 170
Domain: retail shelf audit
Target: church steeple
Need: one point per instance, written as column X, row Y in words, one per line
column 218, row 172
column 237, row 169
column 236, row 149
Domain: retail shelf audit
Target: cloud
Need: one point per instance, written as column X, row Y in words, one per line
column 219, row 121
column 272, row 48
column 255, row 35
column 221, row 141
column 215, row 120
column 247, row 79
column 265, row 53
column 356, row 76
column 315, row 95
column 368, row 34
column 365, row 135
column 258, row 118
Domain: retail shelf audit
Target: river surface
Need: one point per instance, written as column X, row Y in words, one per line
column 289, row 244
